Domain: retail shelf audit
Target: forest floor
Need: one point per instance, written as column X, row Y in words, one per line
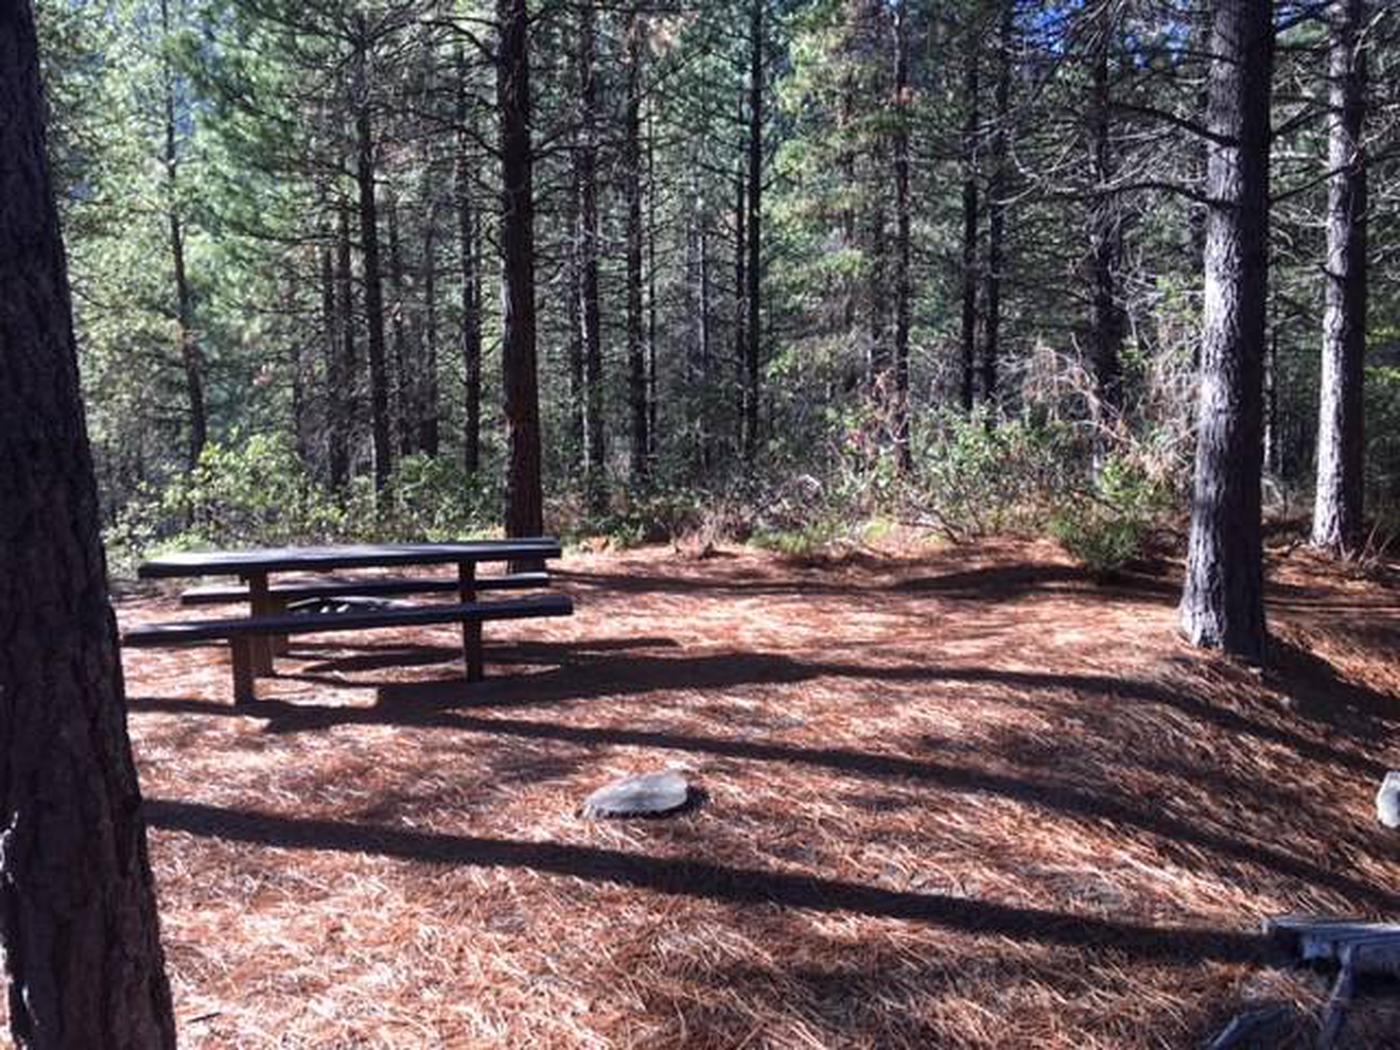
column 956, row 798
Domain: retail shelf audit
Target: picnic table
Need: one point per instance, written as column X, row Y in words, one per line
column 255, row 638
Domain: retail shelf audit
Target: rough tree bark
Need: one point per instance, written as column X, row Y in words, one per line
column 524, row 512
column 1337, row 513
column 1223, row 604
column 185, row 337
column 632, row 174
column 372, row 278
column 77, row 906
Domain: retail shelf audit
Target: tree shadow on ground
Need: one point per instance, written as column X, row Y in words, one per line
column 416, row 655
column 1005, row 583
column 699, row 878
column 444, row 708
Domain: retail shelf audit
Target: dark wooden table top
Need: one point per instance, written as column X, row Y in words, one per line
column 357, row 556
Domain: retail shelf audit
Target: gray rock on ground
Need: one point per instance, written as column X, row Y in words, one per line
column 646, row 794
column 1388, row 801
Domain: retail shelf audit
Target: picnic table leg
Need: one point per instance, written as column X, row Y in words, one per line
column 261, row 646
column 281, row 643
column 243, row 679
column 471, row 632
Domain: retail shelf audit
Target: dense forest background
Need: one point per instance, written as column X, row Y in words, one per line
column 798, row 265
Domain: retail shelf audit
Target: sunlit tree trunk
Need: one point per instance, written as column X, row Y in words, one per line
column 1337, row 513
column 1223, row 602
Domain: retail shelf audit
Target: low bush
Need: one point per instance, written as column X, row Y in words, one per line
column 1106, row 525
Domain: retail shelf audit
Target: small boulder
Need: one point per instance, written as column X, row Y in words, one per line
column 1388, row 801
column 643, row 795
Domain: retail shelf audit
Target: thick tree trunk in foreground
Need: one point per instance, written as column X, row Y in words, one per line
column 1337, row 514
column 373, row 280
column 632, row 173
column 77, row 908
column 1223, row 602
column 524, row 513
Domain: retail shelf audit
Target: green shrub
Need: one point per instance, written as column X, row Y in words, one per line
column 1106, row 526
column 974, row 479
column 257, row 492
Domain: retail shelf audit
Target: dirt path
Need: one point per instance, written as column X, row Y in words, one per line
column 966, row 799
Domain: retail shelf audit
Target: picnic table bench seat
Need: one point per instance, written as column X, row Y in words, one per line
column 240, row 631
column 288, row 591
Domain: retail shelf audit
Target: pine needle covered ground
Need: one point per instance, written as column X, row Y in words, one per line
column 964, row 798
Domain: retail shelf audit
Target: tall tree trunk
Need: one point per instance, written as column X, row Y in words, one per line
column 594, row 452
column 373, row 281
column 343, row 378
column 1223, row 602
column 524, row 511
column 879, row 289
column 78, row 916
column 1105, row 237
column 753, row 330
column 741, row 292
column 631, row 170
column 702, row 323
column 184, row 304
column 971, row 120
column 471, row 280
column 427, row 396
column 402, row 385
column 902, row 284
column 996, row 210
column 577, row 390
column 653, row 438
column 1337, row 514
column 330, row 343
